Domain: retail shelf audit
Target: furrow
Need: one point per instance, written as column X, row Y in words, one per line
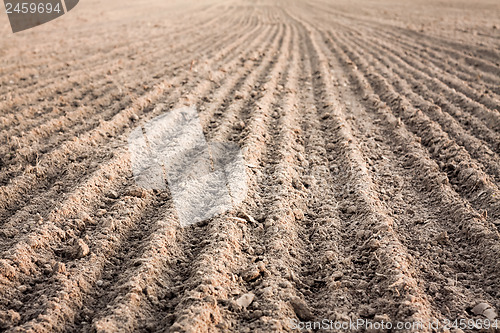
column 421, row 208
column 476, row 148
column 27, row 150
column 280, row 245
column 34, row 174
column 105, row 72
column 432, row 179
column 77, row 168
column 387, row 260
column 68, row 313
column 458, row 52
column 126, row 306
column 481, row 106
column 222, row 259
column 452, row 66
column 98, row 60
column 412, row 44
column 480, row 130
column 103, row 66
column 468, row 177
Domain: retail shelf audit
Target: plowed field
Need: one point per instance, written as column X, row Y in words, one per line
column 371, row 137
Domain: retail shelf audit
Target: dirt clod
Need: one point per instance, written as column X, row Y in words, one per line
column 137, row 192
column 9, row 318
column 80, row 249
column 59, row 268
column 253, row 272
column 240, row 125
column 301, row 309
column 351, row 210
column 443, row 238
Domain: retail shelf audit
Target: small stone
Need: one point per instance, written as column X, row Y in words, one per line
column 259, row 250
column 360, row 235
column 47, row 269
column 362, row 285
column 16, row 305
column 374, row 244
column 234, row 306
column 486, row 310
column 297, row 184
column 269, row 222
column 247, row 217
column 381, row 318
column 490, row 313
column 240, row 125
column 99, row 283
column 256, row 314
column 134, row 117
column 301, row 309
column 285, row 285
column 245, row 300
column 113, row 194
column 479, row 308
column 351, row 210
column 366, row 311
column 267, row 292
column 23, row 288
column 330, row 146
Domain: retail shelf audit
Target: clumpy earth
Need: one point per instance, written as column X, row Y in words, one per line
column 371, row 138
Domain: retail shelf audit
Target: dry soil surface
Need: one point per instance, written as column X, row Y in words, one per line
column 371, row 137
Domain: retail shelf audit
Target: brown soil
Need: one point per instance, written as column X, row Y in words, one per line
column 371, row 133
